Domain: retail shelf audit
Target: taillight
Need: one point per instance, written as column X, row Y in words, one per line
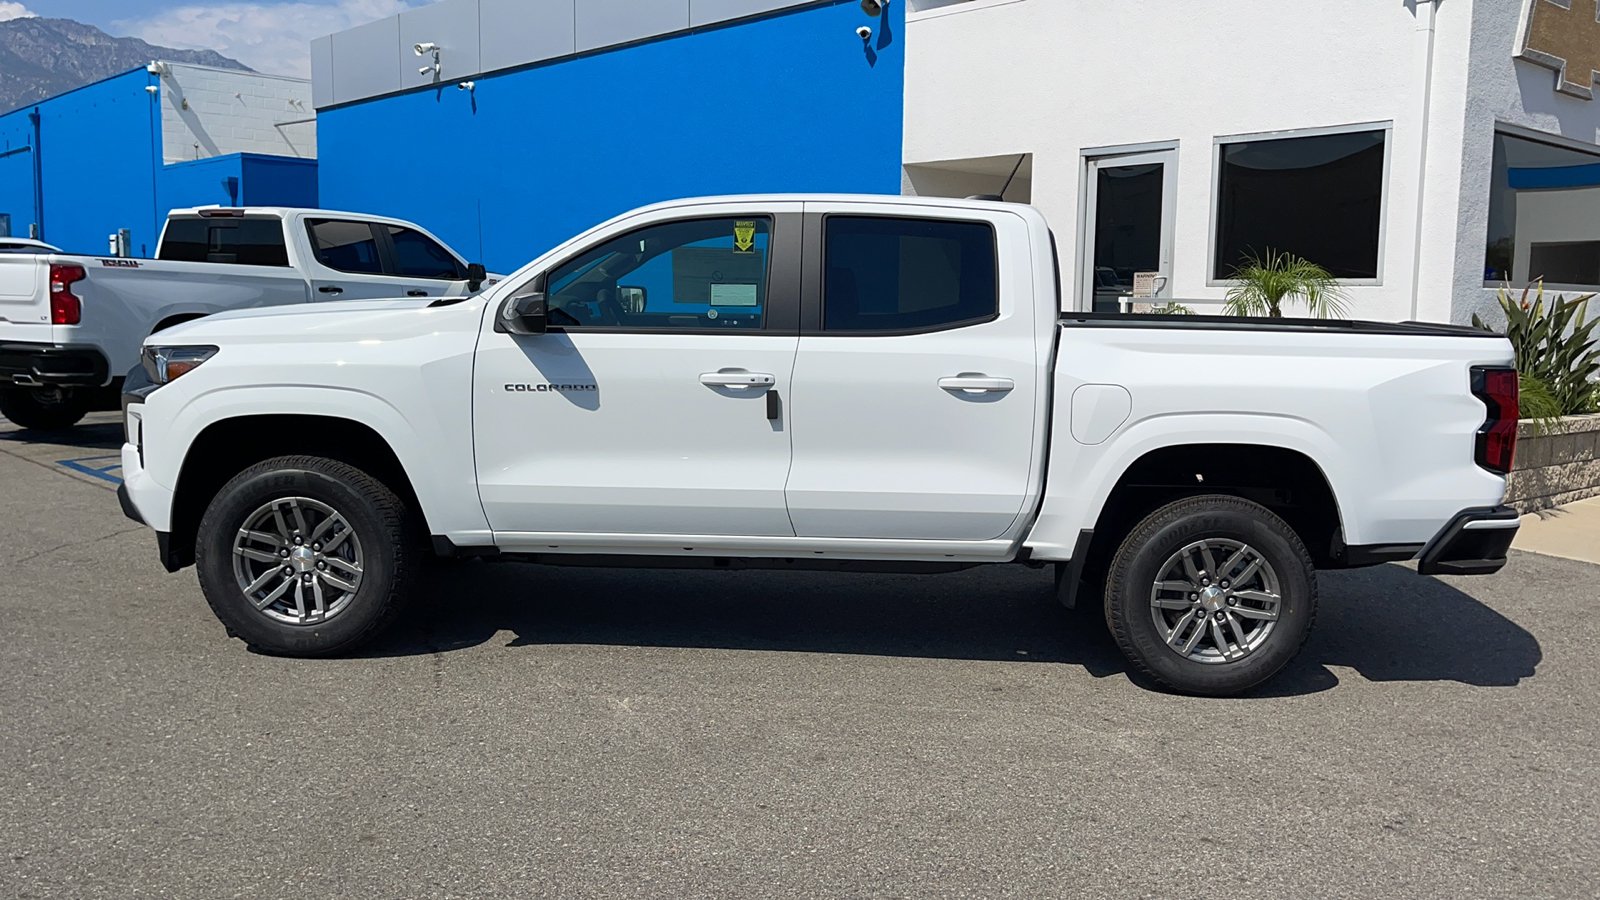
column 65, row 308
column 1496, row 386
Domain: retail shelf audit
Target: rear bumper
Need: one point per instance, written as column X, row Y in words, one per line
column 1473, row 543
column 52, row 365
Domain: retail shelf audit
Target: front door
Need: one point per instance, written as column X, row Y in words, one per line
column 916, row 400
column 1127, row 228
column 645, row 410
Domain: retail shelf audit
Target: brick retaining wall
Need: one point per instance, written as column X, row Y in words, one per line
column 1559, row 466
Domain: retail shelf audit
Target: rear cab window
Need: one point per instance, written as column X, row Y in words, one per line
column 901, row 275
column 243, row 241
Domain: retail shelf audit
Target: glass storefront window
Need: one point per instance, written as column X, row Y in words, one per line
column 1544, row 215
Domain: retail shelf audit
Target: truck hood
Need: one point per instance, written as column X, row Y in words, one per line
column 343, row 320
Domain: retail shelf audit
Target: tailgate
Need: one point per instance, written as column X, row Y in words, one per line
column 24, row 299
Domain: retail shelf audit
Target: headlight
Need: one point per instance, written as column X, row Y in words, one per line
column 163, row 364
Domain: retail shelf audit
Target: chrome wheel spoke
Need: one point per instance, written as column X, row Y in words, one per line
column 1233, row 561
column 1237, row 628
column 1220, row 640
column 1210, row 562
column 1267, row 614
column 262, row 537
column 1172, row 603
column 338, row 539
column 321, row 530
column 299, row 518
column 1189, row 568
column 317, row 600
column 261, row 582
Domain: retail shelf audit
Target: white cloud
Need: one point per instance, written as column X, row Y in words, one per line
column 268, row 37
column 9, row 11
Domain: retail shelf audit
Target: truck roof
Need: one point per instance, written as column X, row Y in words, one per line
column 898, row 199
column 281, row 212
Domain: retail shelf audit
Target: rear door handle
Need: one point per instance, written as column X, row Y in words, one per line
column 330, row 289
column 737, row 379
column 977, row 384
column 415, row 293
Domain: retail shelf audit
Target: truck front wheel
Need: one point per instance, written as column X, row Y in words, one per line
column 305, row 556
column 1211, row 595
column 43, row 409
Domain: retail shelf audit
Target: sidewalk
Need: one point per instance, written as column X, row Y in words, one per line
column 1571, row 531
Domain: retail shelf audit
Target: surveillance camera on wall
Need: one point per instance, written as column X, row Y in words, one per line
column 426, row 47
column 466, row 86
column 864, row 33
column 874, row 7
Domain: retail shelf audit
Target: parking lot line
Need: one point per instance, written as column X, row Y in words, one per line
column 89, row 466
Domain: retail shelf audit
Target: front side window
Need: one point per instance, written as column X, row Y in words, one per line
column 696, row 273
column 245, row 242
column 1544, row 215
column 418, row 256
column 1318, row 197
column 345, row 246
column 896, row 275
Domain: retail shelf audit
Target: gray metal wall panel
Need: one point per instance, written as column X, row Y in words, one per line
column 519, row 32
column 453, row 25
column 322, row 72
column 706, row 12
column 366, row 60
column 602, row 23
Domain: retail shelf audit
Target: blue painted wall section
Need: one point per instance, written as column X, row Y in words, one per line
column 97, row 166
column 789, row 102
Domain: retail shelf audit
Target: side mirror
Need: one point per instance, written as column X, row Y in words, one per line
column 476, row 276
column 523, row 314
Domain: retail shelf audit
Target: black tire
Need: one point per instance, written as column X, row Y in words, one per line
column 385, row 540
column 43, row 409
column 1218, row 525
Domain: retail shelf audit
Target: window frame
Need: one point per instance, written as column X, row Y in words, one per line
column 814, row 313
column 783, row 262
column 1217, row 143
column 1560, row 142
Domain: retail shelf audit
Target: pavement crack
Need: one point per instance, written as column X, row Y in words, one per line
column 103, row 537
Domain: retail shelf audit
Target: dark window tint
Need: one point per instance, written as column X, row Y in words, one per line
column 907, row 274
column 1320, row 198
column 419, row 256
column 698, row 273
column 1544, row 203
column 245, row 242
column 346, row 246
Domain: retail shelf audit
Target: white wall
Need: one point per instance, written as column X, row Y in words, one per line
column 1057, row 77
column 224, row 111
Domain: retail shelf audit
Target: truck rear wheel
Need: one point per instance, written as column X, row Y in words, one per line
column 1211, row 595
column 304, row 556
column 43, row 409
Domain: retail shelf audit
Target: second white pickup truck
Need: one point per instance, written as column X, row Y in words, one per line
column 70, row 326
column 820, row 381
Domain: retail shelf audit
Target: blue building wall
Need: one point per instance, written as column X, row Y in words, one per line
column 98, row 160
column 790, row 102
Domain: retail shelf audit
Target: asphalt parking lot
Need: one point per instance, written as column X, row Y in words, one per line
column 539, row 732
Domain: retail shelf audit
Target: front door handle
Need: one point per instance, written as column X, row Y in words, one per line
column 737, row 379
column 415, row 293
column 977, row 384
column 330, row 289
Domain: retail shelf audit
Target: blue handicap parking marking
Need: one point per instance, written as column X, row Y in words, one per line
column 97, row 466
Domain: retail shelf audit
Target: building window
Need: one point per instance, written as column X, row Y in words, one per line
column 1319, row 197
column 1544, row 215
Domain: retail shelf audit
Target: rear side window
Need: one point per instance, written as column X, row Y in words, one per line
column 345, row 246
column 418, row 256
column 892, row 274
column 244, row 242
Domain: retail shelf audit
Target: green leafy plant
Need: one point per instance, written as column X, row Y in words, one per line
column 1264, row 283
column 1171, row 309
column 1556, row 353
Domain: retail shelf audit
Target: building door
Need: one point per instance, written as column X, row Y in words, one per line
column 1127, row 226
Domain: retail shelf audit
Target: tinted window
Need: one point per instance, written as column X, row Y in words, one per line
column 907, row 274
column 1320, row 198
column 419, row 256
column 346, row 246
column 1544, row 206
column 245, row 242
column 700, row 273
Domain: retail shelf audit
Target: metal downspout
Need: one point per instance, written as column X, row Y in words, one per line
column 38, row 175
column 1424, row 61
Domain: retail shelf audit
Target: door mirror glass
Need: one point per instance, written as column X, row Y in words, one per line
column 524, row 314
column 476, row 276
column 632, row 299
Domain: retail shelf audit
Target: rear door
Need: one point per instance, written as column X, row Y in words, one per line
column 917, row 383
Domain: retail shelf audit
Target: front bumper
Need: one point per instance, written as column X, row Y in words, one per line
column 1473, row 543
column 52, row 365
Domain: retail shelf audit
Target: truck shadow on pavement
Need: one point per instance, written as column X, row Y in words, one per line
column 94, row 436
column 1386, row 623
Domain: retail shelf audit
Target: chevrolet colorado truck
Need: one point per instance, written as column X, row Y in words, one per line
column 71, row 325
column 836, row 382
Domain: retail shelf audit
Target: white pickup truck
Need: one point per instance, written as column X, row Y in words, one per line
column 819, row 382
column 70, row 326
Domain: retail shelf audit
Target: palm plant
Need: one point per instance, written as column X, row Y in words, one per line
column 1263, row 283
column 1557, row 351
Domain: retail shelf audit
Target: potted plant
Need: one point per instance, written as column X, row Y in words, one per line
column 1262, row 284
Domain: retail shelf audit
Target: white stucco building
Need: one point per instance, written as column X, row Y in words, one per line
column 1422, row 150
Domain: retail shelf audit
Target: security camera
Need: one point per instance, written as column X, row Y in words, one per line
column 156, row 68
column 874, row 7
column 864, row 33
column 466, row 85
column 426, row 47
column 151, row 89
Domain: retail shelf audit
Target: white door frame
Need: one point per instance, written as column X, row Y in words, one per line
column 1093, row 162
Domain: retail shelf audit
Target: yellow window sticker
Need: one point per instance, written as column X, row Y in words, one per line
column 744, row 237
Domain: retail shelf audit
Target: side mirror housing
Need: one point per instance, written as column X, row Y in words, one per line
column 476, row 276
column 523, row 314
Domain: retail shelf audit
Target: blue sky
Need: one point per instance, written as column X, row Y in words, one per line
column 267, row 35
